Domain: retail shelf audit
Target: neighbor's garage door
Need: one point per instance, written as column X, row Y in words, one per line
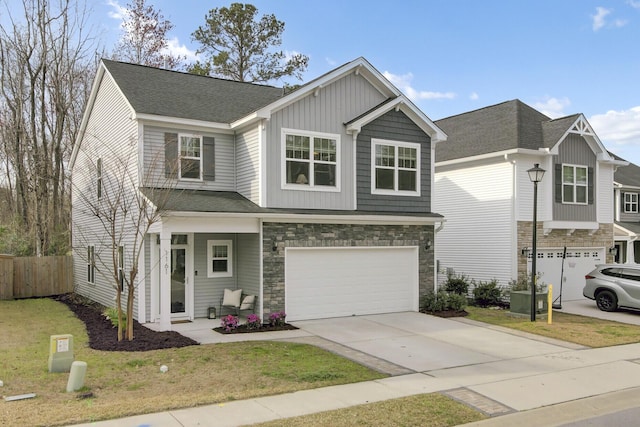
column 578, row 262
column 335, row 282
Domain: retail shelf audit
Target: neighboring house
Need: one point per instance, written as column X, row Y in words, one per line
column 626, row 187
column 484, row 191
column 318, row 201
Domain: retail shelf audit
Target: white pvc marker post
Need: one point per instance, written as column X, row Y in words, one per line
column 76, row 376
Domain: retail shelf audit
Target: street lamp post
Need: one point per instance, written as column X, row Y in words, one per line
column 535, row 175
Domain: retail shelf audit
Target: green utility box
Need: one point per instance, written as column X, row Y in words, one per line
column 60, row 353
column 520, row 303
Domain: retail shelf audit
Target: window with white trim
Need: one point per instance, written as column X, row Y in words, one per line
column 395, row 167
column 190, row 155
column 99, row 178
column 310, row 160
column 91, row 264
column 219, row 256
column 574, row 184
column 631, row 202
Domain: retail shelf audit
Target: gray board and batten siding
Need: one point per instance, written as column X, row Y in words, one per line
column 334, row 105
column 393, row 126
column 574, row 150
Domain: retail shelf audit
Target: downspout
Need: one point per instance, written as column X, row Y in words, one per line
column 354, row 135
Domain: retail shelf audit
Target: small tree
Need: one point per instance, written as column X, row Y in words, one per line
column 237, row 46
column 144, row 38
column 122, row 214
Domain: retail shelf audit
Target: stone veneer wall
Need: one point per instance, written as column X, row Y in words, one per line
column 603, row 237
column 308, row 235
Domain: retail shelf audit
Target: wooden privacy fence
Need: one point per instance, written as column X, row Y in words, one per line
column 25, row 277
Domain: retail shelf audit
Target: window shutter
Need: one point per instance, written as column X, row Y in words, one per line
column 208, row 158
column 170, row 155
column 590, row 188
column 558, row 182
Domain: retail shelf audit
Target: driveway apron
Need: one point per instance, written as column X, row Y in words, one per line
column 421, row 342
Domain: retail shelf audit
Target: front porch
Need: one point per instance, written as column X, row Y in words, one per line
column 192, row 261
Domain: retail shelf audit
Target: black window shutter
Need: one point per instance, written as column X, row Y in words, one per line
column 208, row 158
column 558, row 182
column 590, row 196
column 170, row 155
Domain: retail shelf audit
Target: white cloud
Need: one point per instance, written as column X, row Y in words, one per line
column 552, row 107
column 332, row 62
column 474, row 96
column 403, row 83
column 634, row 4
column 118, row 12
column 599, row 18
column 176, row 49
column 618, row 127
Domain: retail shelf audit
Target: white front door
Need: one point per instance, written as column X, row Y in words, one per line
column 180, row 265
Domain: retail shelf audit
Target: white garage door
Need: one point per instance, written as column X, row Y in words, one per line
column 578, row 262
column 335, row 282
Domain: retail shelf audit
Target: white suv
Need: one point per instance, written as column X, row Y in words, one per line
column 613, row 286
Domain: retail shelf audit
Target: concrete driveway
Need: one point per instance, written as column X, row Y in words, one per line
column 587, row 307
column 421, row 342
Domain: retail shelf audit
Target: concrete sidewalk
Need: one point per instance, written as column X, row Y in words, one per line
column 455, row 357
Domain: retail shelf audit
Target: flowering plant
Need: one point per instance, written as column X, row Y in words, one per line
column 277, row 318
column 229, row 322
column 253, row 321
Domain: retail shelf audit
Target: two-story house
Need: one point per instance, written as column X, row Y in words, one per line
column 484, row 191
column 626, row 187
column 318, row 201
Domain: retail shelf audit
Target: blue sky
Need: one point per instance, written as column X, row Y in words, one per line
column 452, row 56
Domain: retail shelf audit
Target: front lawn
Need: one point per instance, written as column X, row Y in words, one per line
column 128, row 383
column 587, row 331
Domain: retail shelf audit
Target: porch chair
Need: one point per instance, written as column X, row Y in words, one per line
column 237, row 301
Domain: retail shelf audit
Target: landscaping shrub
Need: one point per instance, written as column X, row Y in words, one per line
column 487, row 294
column 111, row 314
column 523, row 283
column 442, row 300
column 458, row 284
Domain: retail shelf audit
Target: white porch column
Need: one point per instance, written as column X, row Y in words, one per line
column 165, row 281
column 631, row 255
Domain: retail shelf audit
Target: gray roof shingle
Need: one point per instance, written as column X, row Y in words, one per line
column 627, row 175
column 175, row 94
column 231, row 202
column 508, row 125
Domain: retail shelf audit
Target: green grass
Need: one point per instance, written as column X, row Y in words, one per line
column 587, row 331
column 425, row 410
column 128, row 383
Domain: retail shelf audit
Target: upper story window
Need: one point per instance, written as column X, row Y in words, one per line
column 310, row 160
column 574, row 184
column 190, row 155
column 631, row 202
column 219, row 255
column 395, row 167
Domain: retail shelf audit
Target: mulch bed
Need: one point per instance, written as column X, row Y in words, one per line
column 243, row 329
column 103, row 336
